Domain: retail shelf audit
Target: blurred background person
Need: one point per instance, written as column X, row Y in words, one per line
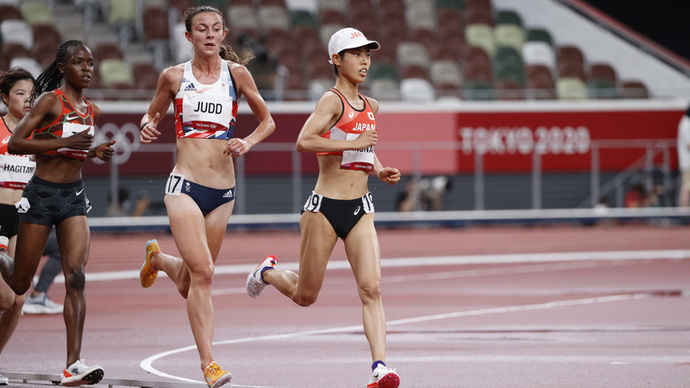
column 684, row 159
column 37, row 301
column 424, row 195
column 125, row 207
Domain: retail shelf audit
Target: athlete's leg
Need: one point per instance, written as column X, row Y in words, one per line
column 362, row 249
column 73, row 238
column 52, row 266
column 198, row 241
column 31, row 239
column 11, row 304
column 684, row 192
column 175, row 268
column 216, row 226
column 318, row 240
column 7, row 296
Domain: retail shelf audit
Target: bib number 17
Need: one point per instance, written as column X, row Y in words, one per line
column 174, row 184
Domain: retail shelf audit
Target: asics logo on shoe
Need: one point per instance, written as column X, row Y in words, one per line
column 190, row 88
column 357, row 210
column 228, row 194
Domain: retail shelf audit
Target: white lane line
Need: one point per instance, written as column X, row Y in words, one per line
column 147, row 364
column 523, row 269
column 554, row 359
column 676, row 254
column 445, row 275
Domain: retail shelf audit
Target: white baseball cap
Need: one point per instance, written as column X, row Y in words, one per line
column 348, row 38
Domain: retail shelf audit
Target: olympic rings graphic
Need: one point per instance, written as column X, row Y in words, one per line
column 126, row 137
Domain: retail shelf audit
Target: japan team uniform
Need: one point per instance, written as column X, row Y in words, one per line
column 343, row 215
column 15, row 172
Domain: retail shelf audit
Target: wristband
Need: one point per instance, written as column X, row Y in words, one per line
column 142, row 126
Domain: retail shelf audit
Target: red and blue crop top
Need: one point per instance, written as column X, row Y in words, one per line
column 206, row 111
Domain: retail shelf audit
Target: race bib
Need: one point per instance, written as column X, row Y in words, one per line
column 207, row 111
column 358, row 159
column 69, row 129
column 15, row 171
column 313, row 203
column 174, row 184
column 368, row 203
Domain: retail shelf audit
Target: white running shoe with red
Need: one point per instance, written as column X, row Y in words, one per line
column 384, row 377
column 255, row 280
column 80, row 374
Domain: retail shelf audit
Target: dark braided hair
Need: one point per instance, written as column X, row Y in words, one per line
column 51, row 78
column 11, row 77
column 225, row 52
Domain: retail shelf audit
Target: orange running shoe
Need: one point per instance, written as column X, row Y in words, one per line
column 147, row 274
column 214, row 376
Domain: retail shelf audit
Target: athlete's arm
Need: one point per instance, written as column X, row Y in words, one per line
column 374, row 104
column 103, row 151
column 247, row 87
column 389, row 175
column 96, row 112
column 168, row 83
column 44, row 111
column 327, row 111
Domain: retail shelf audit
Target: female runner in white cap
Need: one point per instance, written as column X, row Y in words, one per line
column 342, row 132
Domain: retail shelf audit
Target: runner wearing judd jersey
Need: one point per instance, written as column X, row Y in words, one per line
column 199, row 194
column 206, row 111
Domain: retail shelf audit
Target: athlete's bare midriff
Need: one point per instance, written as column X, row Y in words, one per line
column 10, row 196
column 217, row 172
column 339, row 183
column 58, row 169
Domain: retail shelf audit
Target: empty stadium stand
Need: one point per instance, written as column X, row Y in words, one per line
column 470, row 49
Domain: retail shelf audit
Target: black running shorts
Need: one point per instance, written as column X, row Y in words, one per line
column 48, row 203
column 9, row 220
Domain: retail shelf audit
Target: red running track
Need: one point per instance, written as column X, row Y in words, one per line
column 604, row 306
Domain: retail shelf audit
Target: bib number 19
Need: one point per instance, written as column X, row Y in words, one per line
column 313, row 203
